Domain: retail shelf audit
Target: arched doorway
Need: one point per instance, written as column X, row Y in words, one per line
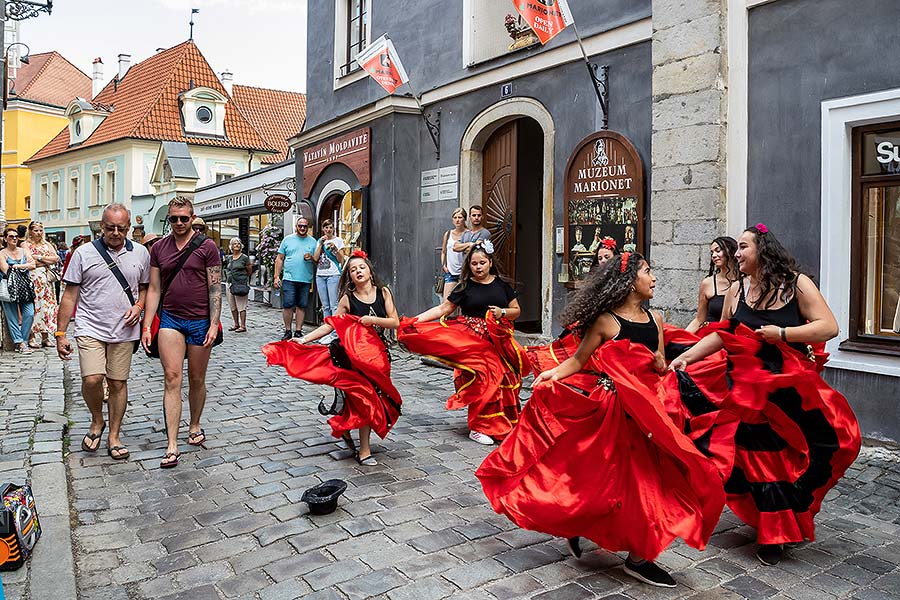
column 511, row 198
column 506, row 165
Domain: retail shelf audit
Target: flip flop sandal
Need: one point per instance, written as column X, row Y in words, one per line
column 232, row 328
column 92, row 437
column 241, row 330
column 192, row 438
column 117, row 452
column 170, row 460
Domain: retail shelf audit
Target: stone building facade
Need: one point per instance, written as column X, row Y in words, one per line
column 742, row 111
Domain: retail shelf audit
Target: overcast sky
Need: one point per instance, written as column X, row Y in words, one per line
column 263, row 42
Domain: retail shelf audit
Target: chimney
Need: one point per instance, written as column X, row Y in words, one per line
column 124, row 63
column 228, row 81
column 98, row 77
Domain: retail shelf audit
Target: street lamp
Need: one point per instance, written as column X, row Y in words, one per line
column 22, row 59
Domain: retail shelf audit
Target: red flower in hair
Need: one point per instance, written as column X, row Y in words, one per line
column 609, row 243
column 624, row 265
column 762, row 228
column 359, row 254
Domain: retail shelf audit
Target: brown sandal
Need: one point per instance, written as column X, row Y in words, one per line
column 170, row 460
column 192, row 438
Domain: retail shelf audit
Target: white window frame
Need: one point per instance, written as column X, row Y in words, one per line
column 44, row 197
column 109, row 191
column 341, row 14
column 839, row 117
column 96, row 191
column 72, row 192
column 54, row 193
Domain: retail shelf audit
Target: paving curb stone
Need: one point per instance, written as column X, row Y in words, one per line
column 33, row 411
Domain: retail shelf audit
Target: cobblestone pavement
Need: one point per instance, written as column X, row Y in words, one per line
column 228, row 521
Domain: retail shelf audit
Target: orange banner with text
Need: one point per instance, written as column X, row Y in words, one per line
column 381, row 62
column 547, row 18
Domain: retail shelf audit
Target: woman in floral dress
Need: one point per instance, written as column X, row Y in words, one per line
column 45, row 304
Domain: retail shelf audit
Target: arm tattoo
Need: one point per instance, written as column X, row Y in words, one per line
column 214, row 275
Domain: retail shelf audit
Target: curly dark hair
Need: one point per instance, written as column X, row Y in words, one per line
column 466, row 273
column 777, row 270
column 346, row 285
column 729, row 246
column 604, row 290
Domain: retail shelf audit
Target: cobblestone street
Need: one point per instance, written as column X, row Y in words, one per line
column 228, row 521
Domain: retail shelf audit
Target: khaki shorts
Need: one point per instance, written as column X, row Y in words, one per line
column 104, row 358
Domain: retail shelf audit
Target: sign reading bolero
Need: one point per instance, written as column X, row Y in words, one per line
column 604, row 198
column 278, row 203
column 352, row 149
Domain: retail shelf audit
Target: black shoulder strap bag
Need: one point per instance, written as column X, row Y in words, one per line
column 195, row 243
column 117, row 273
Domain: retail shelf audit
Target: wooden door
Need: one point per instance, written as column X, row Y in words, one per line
column 499, row 196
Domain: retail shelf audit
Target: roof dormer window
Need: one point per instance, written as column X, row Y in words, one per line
column 203, row 112
column 84, row 118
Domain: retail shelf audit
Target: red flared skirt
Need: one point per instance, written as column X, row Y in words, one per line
column 370, row 397
column 796, row 438
column 610, row 466
column 488, row 366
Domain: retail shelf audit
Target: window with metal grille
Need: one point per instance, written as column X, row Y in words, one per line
column 356, row 39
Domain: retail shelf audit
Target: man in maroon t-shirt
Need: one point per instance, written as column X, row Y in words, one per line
column 188, row 319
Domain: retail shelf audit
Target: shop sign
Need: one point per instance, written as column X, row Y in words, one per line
column 351, row 149
column 604, row 197
column 881, row 153
column 278, row 203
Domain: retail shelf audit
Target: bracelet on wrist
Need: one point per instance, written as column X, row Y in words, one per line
column 60, row 334
column 783, row 333
column 139, row 305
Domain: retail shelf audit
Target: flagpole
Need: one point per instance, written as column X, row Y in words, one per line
column 434, row 129
column 600, row 82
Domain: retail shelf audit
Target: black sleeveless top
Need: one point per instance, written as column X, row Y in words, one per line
column 363, row 309
column 646, row 334
column 786, row 316
column 715, row 304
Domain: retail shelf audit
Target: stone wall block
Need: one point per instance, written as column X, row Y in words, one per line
column 675, row 256
column 686, row 145
column 687, row 177
column 676, row 288
column 662, row 231
column 686, row 76
column 667, row 13
column 696, row 231
column 684, row 204
column 701, row 36
column 700, row 108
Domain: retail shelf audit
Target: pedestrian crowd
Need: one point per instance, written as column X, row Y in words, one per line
column 637, row 432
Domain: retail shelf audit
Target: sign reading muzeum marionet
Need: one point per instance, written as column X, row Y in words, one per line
column 604, row 198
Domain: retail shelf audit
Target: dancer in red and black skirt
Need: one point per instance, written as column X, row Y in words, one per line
column 489, row 364
column 595, row 454
column 797, row 436
column 358, row 365
column 723, row 272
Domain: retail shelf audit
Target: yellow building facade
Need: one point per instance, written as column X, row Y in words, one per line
column 27, row 127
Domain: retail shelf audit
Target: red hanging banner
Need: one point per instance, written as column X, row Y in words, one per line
column 380, row 60
column 547, row 18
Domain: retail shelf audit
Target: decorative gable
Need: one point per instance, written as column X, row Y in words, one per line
column 174, row 169
column 203, row 112
column 84, row 118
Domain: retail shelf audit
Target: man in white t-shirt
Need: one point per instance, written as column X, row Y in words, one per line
column 329, row 258
column 108, row 323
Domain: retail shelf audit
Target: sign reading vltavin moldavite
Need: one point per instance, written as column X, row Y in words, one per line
column 604, row 198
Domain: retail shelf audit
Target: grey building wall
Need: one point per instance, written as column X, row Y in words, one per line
column 801, row 53
column 429, row 38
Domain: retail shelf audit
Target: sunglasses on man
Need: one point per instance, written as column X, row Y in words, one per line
column 178, row 219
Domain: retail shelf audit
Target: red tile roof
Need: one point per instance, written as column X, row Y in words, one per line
column 145, row 106
column 276, row 114
column 51, row 79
